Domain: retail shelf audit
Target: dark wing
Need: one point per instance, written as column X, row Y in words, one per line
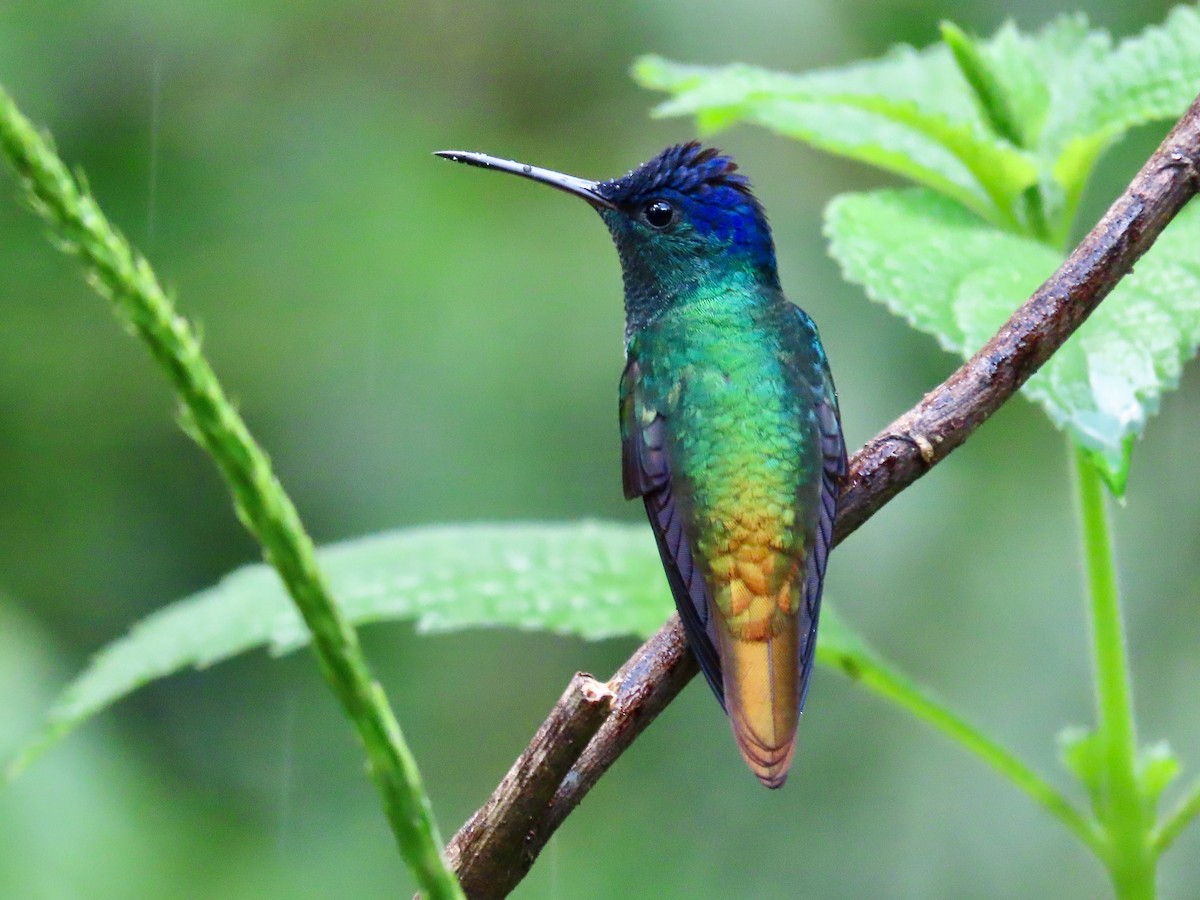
column 834, row 469
column 646, row 472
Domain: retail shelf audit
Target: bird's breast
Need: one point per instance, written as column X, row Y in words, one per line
column 744, row 460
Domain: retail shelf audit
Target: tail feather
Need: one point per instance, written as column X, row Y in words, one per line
column 762, row 695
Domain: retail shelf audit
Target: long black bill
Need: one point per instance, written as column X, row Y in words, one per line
column 580, row 187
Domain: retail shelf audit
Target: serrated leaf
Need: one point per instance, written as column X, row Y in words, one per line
column 590, row 579
column 1044, row 79
column 1044, row 75
column 925, row 76
column 1070, row 93
column 1106, row 91
column 915, row 251
column 1074, row 94
column 1148, row 77
column 909, row 112
column 959, row 279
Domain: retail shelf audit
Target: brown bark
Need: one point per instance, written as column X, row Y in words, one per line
column 485, row 853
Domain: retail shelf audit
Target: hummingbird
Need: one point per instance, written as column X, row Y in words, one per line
column 730, row 429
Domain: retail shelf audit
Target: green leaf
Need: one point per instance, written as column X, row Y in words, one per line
column 1073, row 94
column 1114, row 471
column 992, row 99
column 1044, row 76
column 978, row 121
column 1104, row 91
column 1158, row 766
column 916, row 252
column 1038, row 83
column 997, row 101
column 1082, row 754
column 910, row 113
column 1147, row 78
column 591, row 579
column 958, row 278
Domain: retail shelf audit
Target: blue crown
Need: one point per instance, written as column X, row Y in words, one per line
column 686, row 168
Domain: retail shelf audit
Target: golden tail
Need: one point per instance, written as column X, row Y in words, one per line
column 762, row 694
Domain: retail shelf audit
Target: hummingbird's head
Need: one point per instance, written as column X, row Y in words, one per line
column 687, row 214
column 682, row 221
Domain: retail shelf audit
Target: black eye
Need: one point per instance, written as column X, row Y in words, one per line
column 659, row 214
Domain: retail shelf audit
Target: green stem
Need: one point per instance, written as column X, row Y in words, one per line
column 865, row 667
column 1176, row 821
column 1122, row 813
column 1035, row 216
column 126, row 280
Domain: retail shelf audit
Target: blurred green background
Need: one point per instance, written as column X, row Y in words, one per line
column 415, row 342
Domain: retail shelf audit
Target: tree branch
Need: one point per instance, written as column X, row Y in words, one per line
column 890, row 462
column 481, row 851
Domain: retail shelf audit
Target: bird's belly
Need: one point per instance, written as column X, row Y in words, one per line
column 751, row 504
